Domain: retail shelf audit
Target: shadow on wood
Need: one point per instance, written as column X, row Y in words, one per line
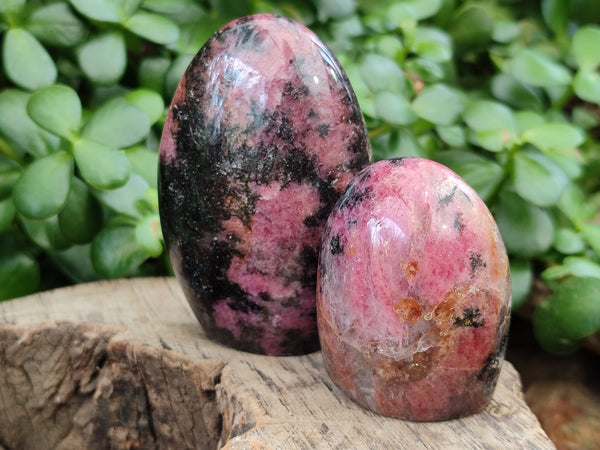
column 124, row 364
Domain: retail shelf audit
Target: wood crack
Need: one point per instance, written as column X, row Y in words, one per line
column 68, row 385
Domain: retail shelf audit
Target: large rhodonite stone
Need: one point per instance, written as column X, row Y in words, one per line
column 263, row 134
column 413, row 296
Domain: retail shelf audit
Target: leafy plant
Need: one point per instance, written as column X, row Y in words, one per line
column 78, row 141
column 505, row 93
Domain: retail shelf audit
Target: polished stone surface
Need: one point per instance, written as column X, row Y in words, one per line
column 413, row 295
column 263, row 134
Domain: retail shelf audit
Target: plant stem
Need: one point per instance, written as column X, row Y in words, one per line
column 6, row 150
column 381, row 130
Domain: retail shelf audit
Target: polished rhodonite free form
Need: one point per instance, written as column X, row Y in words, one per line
column 413, row 295
column 263, row 134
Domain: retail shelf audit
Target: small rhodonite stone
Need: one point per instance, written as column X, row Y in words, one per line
column 263, row 135
column 413, row 294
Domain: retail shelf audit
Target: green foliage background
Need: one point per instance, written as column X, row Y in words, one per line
column 504, row 92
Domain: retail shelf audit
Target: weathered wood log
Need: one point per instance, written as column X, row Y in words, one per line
column 124, row 364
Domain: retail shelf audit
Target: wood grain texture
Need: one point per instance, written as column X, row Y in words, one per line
column 125, row 364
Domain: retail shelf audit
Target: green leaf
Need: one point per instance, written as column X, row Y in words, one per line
column 568, row 241
column 81, row 217
column 334, row 9
column 101, row 166
column 584, row 118
column 179, row 10
column 493, row 123
column 521, row 277
column 26, row 62
column 388, row 45
column 554, row 136
column 554, row 273
column 405, row 143
column 393, row 108
column 527, row 120
column 230, row 9
column 428, row 144
column 584, row 47
column 152, row 73
column 453, row 135
column 344, row 30
column 527, row 230
column 117, row 123
column 9, row 174
column 154, row 27
column 55, row 24
column 192, row 36
column 491, row 140
column 103, row 58
column 17, row 126
column 112, row 11
column 45, row 233
column 149, row 236
column 175, row 72
column 591, row 233
column 143, row 162
column 556, row 15
column 471, row 27
column 57, row 109
column 128, row 8
column 152, row 196
column 558, row 94
column 401, row 11
column 43, row 188
column 581, row 267
column 438, row 104
column 574, row 205
column 19, row 275
column 575, row 306
column 361, row 89
column 546, row 331
column 382, row 74
column 148, row 101
column 7, row 213
column 116, row 252
column 432, row 43
column 402, row 16
column 486, row 115
column 129, row 198
column 400, row 142
column 101, row 10
column 12, row 7
column 570, row 161
column 426, row 69
column 587, row 86
column 537, row 69
column 508, row 89
column 506, row 31
column 76, row 263
column 538, row 179
column 482, row 174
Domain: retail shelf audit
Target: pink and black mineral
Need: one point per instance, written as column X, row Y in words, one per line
column 263, row 135
column 413, row 296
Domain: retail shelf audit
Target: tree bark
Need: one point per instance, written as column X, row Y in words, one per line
column 125, row 364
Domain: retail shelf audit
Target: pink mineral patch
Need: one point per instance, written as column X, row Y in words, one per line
column 271, row 260
column 168, row 145
column 413, row 295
